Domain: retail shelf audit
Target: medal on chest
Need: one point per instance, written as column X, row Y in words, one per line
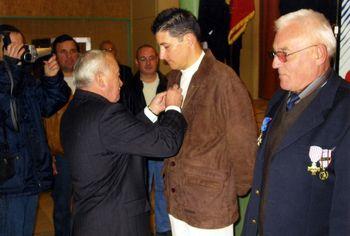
column 320, row 160
column 263, row 129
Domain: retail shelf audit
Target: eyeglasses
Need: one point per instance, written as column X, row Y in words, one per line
column 282, row 55
column 144, row 59
column 108, row 49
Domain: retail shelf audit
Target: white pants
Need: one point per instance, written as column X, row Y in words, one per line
column 181, row 228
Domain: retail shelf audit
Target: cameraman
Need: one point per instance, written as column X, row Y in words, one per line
column 23, row 102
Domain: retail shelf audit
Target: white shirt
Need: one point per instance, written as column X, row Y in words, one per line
column 150, row 89
column 70, row 81
column 187, row 75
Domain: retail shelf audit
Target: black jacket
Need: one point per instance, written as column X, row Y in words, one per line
column 103, row 141
column 132, row 96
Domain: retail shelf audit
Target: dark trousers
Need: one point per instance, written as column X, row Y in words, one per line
column 61, row 193
column 17, row 215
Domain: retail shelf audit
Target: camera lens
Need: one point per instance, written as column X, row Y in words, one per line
column 27, row 57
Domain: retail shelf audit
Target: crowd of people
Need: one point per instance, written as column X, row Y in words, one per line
column 101, row 139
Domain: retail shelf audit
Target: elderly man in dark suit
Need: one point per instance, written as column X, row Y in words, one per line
column 102, row 141
column 302, row 174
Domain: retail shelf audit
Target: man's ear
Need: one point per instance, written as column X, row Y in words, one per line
column 136, row 63
column 189, row 38
column 99, row 78
column 321, row 54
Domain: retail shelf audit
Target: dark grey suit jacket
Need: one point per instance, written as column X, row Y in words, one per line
column 102, row 141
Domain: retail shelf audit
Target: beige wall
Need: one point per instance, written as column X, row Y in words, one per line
column 100, row 20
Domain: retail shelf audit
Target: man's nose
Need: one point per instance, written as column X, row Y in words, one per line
column 162, row 54
column 276, row 63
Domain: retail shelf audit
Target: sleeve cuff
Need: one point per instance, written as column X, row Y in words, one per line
column 152, row 117
column 176, row 108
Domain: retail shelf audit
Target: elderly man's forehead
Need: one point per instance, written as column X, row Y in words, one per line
column 291, row 36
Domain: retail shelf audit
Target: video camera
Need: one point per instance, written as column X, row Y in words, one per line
column 30, row 53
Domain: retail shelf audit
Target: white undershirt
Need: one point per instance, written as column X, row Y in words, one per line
column 70, row 81
column 187, row 75
column 150, row 89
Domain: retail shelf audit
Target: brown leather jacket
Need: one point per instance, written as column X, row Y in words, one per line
column 215, row 162
column 52, row 128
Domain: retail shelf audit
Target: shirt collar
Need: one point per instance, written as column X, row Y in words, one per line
column 194, row 67
column 317, row 83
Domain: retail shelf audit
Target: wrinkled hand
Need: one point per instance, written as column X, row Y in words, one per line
column 157, row 104
column 174, row 96
column 51, row 66
column 14, row 50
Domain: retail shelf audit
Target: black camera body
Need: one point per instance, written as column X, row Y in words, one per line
column 30, row 53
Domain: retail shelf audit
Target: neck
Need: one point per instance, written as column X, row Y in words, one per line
column 197, row 50
column 148, row 78
column 68, row 73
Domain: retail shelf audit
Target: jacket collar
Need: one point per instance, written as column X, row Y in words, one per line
column 197, row 80
column 313, row 115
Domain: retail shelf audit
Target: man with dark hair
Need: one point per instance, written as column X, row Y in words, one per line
column 139, row 92
column 66, row 50
column 215, row 162
column 23, row 102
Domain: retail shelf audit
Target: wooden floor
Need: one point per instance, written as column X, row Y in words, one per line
column 44, row 223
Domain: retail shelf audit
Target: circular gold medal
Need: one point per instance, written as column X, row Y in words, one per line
column 323, row 175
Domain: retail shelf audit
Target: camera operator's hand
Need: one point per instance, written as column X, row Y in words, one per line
column 14, row 50
column 51, row 66
column 157, row 104
column 174, row 96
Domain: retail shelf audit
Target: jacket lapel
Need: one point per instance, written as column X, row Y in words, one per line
column 313, row 115
column 198, row 79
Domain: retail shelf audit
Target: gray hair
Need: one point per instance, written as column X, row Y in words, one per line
column 88, row 66
column 314, row 24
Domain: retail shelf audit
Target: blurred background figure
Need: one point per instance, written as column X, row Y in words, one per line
column 124, row 71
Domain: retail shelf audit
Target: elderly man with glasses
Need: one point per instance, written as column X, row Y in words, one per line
column 302, row 174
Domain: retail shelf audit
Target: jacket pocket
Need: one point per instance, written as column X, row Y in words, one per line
column 205, row 190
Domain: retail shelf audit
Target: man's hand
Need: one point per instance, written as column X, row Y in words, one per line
column 174, row 96
column 51, row 67
column 157, row 104
column 14, row 50
column 54, row 168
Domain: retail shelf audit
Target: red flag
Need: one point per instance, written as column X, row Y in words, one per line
column 241, row 12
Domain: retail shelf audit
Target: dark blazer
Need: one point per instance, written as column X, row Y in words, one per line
column 102, row 141
column 297, row 203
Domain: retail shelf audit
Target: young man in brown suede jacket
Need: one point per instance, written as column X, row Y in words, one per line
column 215, row 162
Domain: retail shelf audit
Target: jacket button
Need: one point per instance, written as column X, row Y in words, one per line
column 257, row 192
column 173, row 190
column 172, row 163
column 253, row 221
